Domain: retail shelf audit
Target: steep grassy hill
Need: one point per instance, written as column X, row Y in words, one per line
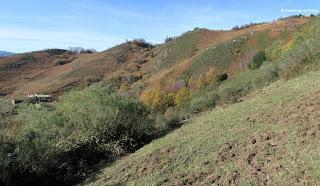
column 270, row 138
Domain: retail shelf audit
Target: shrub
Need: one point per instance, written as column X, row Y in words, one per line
column 79, row 50
column 211, row 77
column 61, row 62
column 27, row 58
column 89, row 51
column 182, row 97
column 178, row 85
column 304, row 51
column 257, row 60
column 5, row 106
column 55, row 51
column 203, row 101
column 70, row 136
column 274, row 51
column 232, row 89
column 168, row 39
column 202, row 81
column 300, row 58
column 124, row 87
column 160, row 122
column 245, row 26
column 222, row 77
column 141, row 43
column 158, row 100
column 174, row 116
column 236, row 27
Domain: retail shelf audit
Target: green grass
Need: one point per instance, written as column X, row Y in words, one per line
column 179, row 49
column 224, row 54
column 5, row 105
column 263, row 39
column 220, row 55
column 193, row 150
column 248, row 81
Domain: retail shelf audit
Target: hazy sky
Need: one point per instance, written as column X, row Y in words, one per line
column 28, row 25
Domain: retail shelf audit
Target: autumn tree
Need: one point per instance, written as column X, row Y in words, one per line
column 182, row 97
column 158, row 100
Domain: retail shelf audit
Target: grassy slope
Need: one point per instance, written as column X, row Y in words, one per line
column 270, row 138
column 196, row 51
column 163, row 65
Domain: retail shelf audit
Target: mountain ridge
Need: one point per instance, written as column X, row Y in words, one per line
column 6, row 53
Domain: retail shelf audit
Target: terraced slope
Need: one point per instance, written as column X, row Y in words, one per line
column 271, row 138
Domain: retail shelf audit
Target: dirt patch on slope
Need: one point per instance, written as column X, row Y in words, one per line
column 304, row 111
column 260, row 157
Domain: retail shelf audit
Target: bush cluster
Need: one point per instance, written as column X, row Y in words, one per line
column 69, row 137
column 62, row 61
column 245, row 26
column 304, row 51
column 257, row 60
column 158, row 100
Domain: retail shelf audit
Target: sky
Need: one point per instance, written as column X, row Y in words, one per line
column 28, row 25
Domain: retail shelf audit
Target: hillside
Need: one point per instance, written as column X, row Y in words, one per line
column 271, row 138
column 195, row 52
column 264, row 137
column 27, row 73
column 140, row 68
column 207, row 107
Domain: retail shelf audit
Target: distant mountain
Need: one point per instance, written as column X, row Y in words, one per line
column 5, row 53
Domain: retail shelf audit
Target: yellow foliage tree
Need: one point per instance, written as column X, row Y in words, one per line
column 158, row 100
column 182, row 97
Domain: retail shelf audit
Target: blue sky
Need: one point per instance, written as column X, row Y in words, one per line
column 100, row 24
